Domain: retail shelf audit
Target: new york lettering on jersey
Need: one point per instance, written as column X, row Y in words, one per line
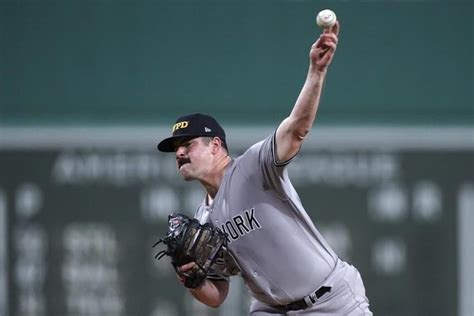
column 240, row 225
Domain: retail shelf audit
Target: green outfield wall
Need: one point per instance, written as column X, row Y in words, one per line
column 145, row 62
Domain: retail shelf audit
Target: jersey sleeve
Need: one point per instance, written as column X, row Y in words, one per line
column 260, row 162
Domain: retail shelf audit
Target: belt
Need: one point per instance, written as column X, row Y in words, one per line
column 307, row 301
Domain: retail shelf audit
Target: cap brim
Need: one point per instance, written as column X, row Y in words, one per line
column 167, row 144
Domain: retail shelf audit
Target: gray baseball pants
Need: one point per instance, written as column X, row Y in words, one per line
column 347, row 297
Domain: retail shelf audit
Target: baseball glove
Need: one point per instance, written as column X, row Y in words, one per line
column 187, row 241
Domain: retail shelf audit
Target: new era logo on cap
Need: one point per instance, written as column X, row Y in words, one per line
column 189, row 126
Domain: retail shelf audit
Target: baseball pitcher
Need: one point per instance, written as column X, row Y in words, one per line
column 254, row 222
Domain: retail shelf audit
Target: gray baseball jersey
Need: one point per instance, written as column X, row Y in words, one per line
column 279, row 252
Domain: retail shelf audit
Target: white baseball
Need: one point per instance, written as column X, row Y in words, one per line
column 326, row 18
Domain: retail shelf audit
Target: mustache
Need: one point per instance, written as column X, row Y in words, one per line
column 182, row 161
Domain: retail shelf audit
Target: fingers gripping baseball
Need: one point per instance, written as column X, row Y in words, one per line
column 322, row 51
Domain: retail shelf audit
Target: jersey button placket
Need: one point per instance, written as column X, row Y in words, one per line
column 216, row 221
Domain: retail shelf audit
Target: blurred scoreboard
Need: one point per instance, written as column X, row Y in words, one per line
column 78, row 219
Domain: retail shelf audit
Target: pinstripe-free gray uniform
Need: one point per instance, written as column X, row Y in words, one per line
column 278, row 250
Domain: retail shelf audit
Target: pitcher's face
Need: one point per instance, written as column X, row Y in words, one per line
column 193, row 158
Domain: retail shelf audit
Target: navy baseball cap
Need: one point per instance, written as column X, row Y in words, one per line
column 191, row 126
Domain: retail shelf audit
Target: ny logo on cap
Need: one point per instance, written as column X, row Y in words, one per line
column 207, row 129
